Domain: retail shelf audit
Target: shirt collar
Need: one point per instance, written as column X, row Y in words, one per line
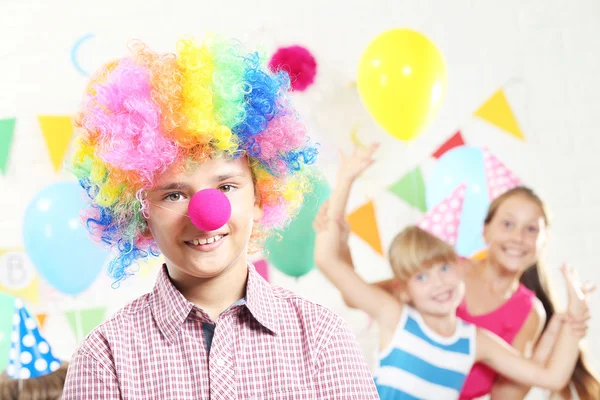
column 171, row 308
column 261, row 301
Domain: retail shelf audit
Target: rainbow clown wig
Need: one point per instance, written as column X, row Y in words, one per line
column 148, row 111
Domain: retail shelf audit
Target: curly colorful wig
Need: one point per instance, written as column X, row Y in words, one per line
column 145, row 112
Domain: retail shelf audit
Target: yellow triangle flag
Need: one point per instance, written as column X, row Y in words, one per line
column 496, row 111
column 364, row 224
column 58, row 132
column 19, row 278
column 31, row 292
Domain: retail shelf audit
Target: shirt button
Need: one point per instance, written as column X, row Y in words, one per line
column 221, row 362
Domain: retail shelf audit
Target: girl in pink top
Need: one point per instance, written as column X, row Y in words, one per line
column 506, row 294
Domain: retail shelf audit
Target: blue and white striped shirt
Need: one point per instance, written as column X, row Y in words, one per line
column 422, row 365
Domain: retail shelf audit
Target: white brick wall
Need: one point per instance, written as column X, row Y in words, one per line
column 551, row 46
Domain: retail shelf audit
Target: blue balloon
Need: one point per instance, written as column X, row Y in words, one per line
column 56, row 241
column 462, row 164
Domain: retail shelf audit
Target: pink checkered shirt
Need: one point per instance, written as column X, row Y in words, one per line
column 276, row 345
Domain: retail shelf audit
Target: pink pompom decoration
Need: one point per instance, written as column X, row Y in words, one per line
column 298, row 62
column 209, row 209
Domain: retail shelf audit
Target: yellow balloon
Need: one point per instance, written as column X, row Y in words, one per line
column 402, row 81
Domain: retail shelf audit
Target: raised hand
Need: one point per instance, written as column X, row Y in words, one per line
column 578, row 309
column 322, row 221
column 354, row 164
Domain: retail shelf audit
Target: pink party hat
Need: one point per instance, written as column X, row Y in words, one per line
column 499, row 178
column 443, row 220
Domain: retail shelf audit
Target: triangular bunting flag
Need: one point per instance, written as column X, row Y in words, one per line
column 58, row 131
column 364, row 224
column 499, row 178
column 262, row 267
column 480, row 255
column 7, row 130
column 31, row 292
column 41, row 320
column 411, row 188
column 443, row 220
column 496, row 111
column 455, row 141
column 84, row 321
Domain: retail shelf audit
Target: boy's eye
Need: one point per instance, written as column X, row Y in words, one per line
column 421, row 277
column 226, row 188
column 176, row 196
column 507, row 224
column 445, row 268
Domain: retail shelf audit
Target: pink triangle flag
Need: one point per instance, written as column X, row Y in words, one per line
column 499, row 178
column 443, row 220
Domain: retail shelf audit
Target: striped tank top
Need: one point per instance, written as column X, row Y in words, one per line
column 422, row 365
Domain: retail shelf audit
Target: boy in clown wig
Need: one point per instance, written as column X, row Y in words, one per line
column 160, row 131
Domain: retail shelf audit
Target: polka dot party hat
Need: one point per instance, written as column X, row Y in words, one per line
column 30, row 355
column 443, row 220
column 499, row 178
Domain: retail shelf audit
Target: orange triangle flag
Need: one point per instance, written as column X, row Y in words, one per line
column 58, row 132
column 364, row 224
column 496, row 111
column 480, row 255
column 41, row 319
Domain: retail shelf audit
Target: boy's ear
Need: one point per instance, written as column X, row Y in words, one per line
column 259, row 212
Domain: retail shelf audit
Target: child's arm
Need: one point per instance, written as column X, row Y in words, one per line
column 329, row 249
column 350, row 168
column 335, row 208
column 543, row 349
column 507, row 361
column 545, row 345
column 382, row 307
column 497, row 354
column 578, row 324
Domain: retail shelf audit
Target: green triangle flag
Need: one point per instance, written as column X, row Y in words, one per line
column 84, row 321
column 411, row 188
column 7, row 129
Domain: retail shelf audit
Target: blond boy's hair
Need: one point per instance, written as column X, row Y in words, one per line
column 414, row 250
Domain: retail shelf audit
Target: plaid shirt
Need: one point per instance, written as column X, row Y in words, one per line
column 275, row 345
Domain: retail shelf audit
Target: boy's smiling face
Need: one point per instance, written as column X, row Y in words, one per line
column 437, row 290
column 180, row 240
